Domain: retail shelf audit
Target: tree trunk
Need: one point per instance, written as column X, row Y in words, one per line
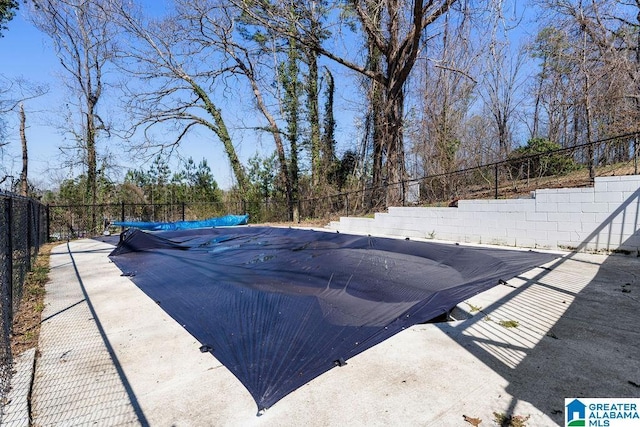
column 92, row 180
column 587, row 107
column 24, row 184
column 397, row 73
column 374, row 64
column 314, row 118
column 277, row 139
column 292, row 108
column 230, row 150
column 219, row 127
column 395, row 147
column 328, row 135
column 538, row 96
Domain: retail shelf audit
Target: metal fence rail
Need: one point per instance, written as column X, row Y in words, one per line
column 77, row 221
column 23, row 229
column 515, row 177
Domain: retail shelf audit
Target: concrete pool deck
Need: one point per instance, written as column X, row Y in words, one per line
column 109, row 355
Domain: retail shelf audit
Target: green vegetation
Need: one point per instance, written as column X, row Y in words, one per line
column 509, row 323
column 504, row 420
column 7, row 12
column 530, row 161
column 473, row 308
column 154, row 185
column 26, row 321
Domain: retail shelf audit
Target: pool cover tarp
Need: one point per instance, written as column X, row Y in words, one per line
column 278, row 306
column 222, row 221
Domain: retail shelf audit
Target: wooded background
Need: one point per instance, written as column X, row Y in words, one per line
column 427, row 88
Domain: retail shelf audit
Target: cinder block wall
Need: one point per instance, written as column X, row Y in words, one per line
column 605, row 217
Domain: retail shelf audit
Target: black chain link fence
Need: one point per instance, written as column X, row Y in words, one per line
column 23, row 229
column 516, row 177
column 574, row 166
column 78, row 221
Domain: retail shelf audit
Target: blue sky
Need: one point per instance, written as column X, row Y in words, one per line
column 26, row 55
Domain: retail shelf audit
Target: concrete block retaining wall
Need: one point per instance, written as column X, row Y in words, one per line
column 605, row 217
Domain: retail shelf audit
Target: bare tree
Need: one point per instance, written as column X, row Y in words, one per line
column 375, row 98
column 551, row 90
column 173, row 61
column 247, row 56
column 4, row 102
column 447, row 88
column 501, row 92
column 394, row 31
column 328, row 140
column 601, row 56
column 82, row 35
column 13, row 94
column 24, row 184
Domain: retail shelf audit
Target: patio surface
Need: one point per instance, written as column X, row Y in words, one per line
column 109, row 355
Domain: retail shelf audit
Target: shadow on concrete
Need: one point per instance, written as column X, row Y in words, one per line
column 577, row 329
column 116, row 363
column 76, row 381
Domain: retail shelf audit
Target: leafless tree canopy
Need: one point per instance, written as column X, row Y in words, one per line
column 83, row 38
column 358, row 94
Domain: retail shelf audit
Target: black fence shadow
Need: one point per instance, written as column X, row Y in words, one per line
column 577, row 324
column 79, row 379
column 114, row 358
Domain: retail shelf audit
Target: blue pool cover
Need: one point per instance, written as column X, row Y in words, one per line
column 221, row 221
column 278, row 306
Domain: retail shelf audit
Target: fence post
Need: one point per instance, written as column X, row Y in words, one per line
column 122, row 215
column 37, row 209
column 8, row 250
column 347, row 197
column 496, row 182
column 27, row 253
column 48, row 213
column 183, row 211
column 41, row 225
column 635, row 155
column 591, row 154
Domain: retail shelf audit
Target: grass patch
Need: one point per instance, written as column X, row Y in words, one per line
column 504, row 420
column 26, row 321
column 39, row 307
column 473, row 308
column 509, row 323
